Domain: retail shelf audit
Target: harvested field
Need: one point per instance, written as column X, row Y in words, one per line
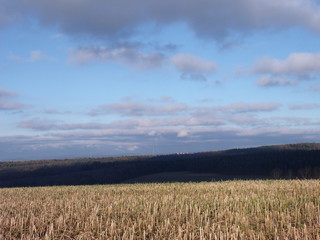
column 215, row 210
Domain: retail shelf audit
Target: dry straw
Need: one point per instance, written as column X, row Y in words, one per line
column 221, row 210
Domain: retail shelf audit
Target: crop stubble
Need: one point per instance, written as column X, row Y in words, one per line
column 217, row 210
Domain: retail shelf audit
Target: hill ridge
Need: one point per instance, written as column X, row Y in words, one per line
column 287, row 161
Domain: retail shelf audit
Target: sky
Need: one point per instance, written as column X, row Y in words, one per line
column 91, row 78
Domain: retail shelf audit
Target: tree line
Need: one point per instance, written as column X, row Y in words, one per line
column 277, row 162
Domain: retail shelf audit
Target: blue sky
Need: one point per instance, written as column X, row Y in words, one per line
column 99, row 78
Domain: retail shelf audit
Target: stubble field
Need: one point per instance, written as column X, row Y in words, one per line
column 217, row 210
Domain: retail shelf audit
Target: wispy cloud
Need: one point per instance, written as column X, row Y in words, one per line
column 305, row 106
column 164, row 99
column 174, row 117
column 124, row 55
column 252, row 107
column 7, row 94
column 139, row 109
column 34, row 56
column 270, row 81
column 239, row 108
column 50, row 125
column 189, row 63
column 57, row 35
column 192, row 67
column 55, row 111
column 315, row 88
column 7, row 104
column 171, row 126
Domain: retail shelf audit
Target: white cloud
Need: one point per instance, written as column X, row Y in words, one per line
column 133, row 148
column 296, row 64
column 284, row 72
column 182, row 133
column 192, row 67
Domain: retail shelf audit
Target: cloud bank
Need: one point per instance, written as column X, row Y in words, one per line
column 210, row 19
column 163, row 124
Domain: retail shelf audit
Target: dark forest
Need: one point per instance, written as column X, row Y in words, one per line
column 292, row 161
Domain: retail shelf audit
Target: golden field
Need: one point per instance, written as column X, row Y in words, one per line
column 215, row 210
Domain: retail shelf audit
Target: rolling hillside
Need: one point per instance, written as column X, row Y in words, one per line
column 277, row 162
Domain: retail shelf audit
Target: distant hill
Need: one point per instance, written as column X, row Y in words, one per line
column 277, row 162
